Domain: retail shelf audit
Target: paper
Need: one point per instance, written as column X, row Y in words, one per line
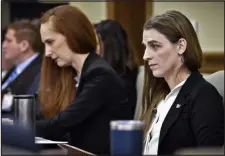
column 39, row 140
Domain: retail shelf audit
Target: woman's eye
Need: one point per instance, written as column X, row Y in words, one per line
column 49, row 42
column 155, row 46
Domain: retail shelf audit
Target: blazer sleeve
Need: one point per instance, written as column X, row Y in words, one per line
column 207, row 117
column 93, row 95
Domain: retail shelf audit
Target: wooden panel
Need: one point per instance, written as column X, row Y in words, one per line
column 149, row 9
column 213, row 61
column 110, row 10
column 132, row 16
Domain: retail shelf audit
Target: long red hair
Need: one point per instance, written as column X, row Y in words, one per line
column 57, row 85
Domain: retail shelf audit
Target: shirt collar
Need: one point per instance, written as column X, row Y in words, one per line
column 23, row 65
column 179, row 85
column 77, row 78
column 176, row 88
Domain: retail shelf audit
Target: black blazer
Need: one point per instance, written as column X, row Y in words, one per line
column 199, row 121
column 24, row 81
column 100, row 98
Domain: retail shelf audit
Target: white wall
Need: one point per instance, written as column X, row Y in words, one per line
column 96, row 11
column 210, row 18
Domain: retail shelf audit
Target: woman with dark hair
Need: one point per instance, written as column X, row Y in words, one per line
column 79, row 92
column 115, row 48
column 180, row 108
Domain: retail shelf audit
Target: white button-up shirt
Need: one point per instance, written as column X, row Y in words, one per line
column 77, row 79
column 152, row 140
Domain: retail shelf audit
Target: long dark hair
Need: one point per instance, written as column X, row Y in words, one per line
column 117, row 48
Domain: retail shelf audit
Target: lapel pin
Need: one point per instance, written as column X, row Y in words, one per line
column 178, row 106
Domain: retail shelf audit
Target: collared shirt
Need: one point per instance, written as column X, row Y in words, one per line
column 19, row 69
column 77, row 79
column 152, row 140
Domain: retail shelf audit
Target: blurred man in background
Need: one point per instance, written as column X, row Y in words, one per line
column 21, row 47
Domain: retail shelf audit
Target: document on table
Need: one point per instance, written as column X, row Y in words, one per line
column 39, row 140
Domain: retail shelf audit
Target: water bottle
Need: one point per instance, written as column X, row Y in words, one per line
column 126, row 137
column 25, row 111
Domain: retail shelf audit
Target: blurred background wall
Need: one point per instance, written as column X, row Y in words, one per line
column 95, row 11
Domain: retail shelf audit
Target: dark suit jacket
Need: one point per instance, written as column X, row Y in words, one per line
column 199, row 121
column 24, row 83
column 100, row 98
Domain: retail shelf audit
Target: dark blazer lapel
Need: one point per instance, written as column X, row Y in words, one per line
column 180, row 101
column 87, row 64
column 172, row 115
column 35, row 62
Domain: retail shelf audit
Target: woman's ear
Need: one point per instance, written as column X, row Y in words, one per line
column 182, row 46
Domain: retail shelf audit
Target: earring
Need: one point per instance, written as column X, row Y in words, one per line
column 181, row 58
